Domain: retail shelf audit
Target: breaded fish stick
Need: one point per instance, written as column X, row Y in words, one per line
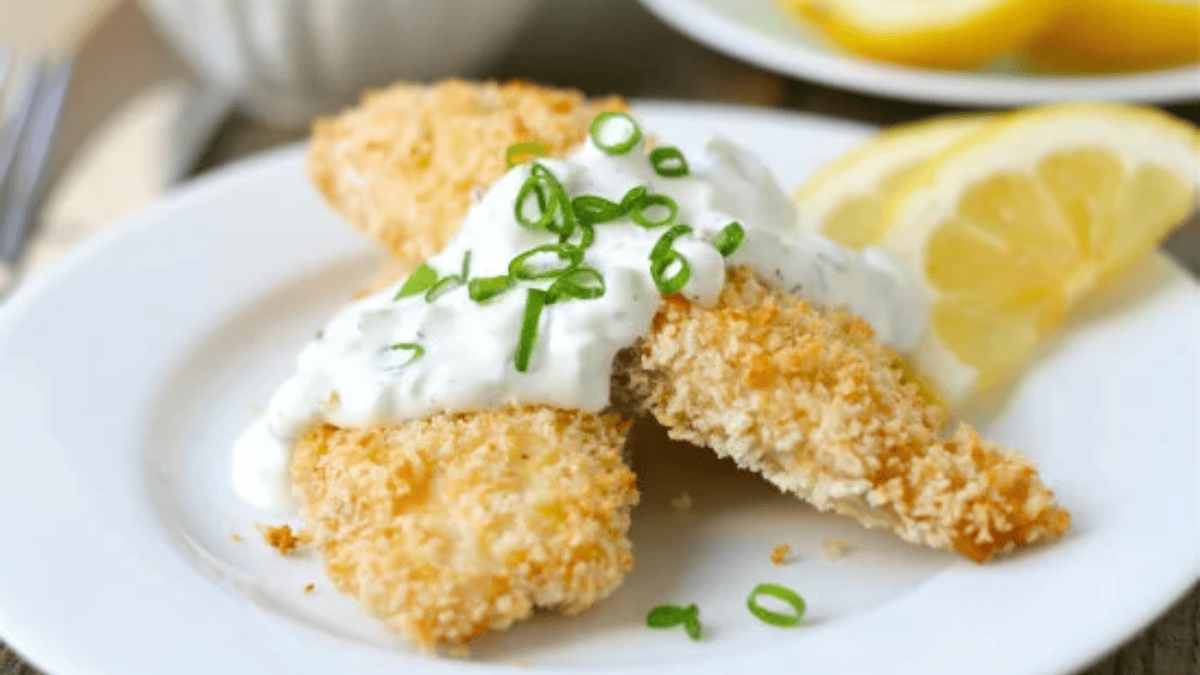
column 452, row 525
column 402, row 166
column 809, row 400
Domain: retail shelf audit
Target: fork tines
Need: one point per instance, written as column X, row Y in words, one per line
column 33, row 97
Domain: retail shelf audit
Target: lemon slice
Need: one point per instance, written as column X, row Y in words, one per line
column 931, row 33
column 1008, row 230
column 845, row 200
column 1107, row 35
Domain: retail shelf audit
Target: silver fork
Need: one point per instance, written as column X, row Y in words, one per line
column 32, row 93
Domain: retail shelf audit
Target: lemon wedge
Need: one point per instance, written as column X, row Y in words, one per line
column 930, row 33
column 845, row 200
column 1108, row 35
column 1009, row 229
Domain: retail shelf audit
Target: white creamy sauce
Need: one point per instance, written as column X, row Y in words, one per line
column 259, row 469
column 352, row 376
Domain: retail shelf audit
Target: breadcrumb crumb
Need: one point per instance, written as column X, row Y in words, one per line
column 780, row 554
column 236, row 538
column 835, row 548
column 283, row 539
column 807, row 398
column 310, row 588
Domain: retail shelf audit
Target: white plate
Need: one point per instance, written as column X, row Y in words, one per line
column 760, row 32
column 129, row 370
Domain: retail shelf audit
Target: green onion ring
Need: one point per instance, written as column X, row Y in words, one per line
column 526, row 149
column 572, row 254
column 558, row 200
column 625, row 145
column 637, row 211
column 774, row 618
column 663, row 246
column 422, row 278
column 729, row 239
column 533, row 186
column 691, row 622
column 669, row 162
column 586, row 237
column 580, row 283
column 594, row 209
column 485, row 288
column 659, row 267
column 665, row 616
column 534, row 302
column 669, row 616
column 632, row 197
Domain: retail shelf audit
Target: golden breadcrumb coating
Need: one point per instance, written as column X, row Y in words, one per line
column 452, row 525
column 808, row 399
column 403, row 165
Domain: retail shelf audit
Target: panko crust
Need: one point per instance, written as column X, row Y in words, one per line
column 807, row 398
column 452, row 525
column 402, row 166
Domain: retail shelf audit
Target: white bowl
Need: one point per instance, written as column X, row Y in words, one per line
column 288, row 60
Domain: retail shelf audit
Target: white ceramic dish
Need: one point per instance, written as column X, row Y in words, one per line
column 760, row 32
column 129, row 370
column 288, row 60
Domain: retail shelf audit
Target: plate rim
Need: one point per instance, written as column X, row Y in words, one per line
column 701, row 22
column 289, row 158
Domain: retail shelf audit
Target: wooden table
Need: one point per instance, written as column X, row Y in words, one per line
column 650, row 61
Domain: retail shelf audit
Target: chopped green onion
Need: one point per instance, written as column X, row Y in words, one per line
column 320, row 334
column 570, row 254
column 443, row 285
column 533, row 186
column 422, row 278
column 587, row 237
column 665, row 616
column 485, row 288
column 417, row 350
column 633, row 196
column 622, row 145
column 580, row 283
column 669, row 162
column 669, row 616
column 638, row 211
column 593, row 209
column 729, row 239
column 663, row 246
column 466, row 266
column 775, row 618
column 691, row 623
column 521, row 150
column 658, row 270
column 534, row 302
column 539, row 171
column 551, row 198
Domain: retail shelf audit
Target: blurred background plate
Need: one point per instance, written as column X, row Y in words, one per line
column 759, row 31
